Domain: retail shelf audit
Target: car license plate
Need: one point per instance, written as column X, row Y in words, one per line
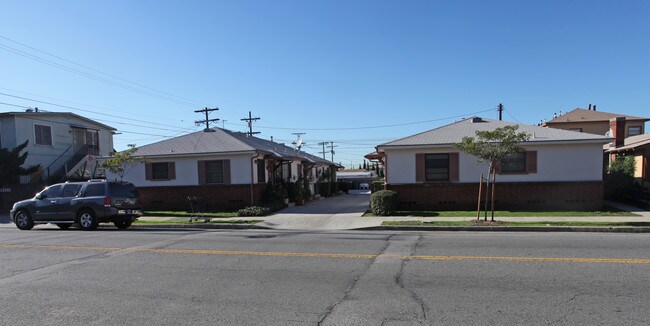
column 124, row 212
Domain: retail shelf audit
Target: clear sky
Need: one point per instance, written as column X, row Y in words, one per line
column 358, row 73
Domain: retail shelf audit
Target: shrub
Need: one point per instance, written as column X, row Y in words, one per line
column 324, row 189
column 343, row 186
column 383, row 202
column 253, row 211
column 377, row 185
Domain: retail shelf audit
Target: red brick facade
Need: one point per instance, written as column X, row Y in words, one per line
column 214, row 198
column 579, row 196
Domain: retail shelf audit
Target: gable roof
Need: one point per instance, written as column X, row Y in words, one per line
column 44, row 114
column 454, row 133
column 222, row 141
column 582, row 115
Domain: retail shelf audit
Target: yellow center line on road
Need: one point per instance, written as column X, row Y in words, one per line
column 330, row 255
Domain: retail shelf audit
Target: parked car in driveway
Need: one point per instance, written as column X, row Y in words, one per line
column 84, row 203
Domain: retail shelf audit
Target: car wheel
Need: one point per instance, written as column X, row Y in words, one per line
column 122, row 224
column 64, row 226
column 23, row 220
column 87, row 220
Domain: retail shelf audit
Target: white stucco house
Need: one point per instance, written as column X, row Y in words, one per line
column 228, row 169
column 60, row 142
column 560, row 169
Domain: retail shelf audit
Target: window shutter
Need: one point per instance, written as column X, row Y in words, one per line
column 201, row 168
column 226, row 172
column 531, row 161
column 453, row 167
column 419, row 168
column 171, row 170
column 148, row 171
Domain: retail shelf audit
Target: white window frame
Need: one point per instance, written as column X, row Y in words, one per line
column 51, row 134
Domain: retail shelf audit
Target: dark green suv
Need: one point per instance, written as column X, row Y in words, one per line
column 84, row 203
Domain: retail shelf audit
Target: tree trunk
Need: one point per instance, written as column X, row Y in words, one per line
column 494, row 183
column 478, row 206
column 487, row 192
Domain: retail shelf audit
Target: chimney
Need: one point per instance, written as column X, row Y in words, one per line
column 617, row 126
column 589, row 109
column 594, row 107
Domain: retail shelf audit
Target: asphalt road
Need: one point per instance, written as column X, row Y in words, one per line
column 219, row 277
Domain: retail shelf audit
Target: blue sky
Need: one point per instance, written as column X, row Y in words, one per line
column 143, row 67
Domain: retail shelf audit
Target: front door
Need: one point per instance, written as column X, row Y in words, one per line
column 78, row 138
column 46, row 204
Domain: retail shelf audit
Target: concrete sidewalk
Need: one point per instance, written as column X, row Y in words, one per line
column 333, row 213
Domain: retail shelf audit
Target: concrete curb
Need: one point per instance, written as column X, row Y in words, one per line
column 602, row 229
column 611, row 229
column 198, row 226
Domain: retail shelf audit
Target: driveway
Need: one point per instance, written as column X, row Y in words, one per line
column 333, row 213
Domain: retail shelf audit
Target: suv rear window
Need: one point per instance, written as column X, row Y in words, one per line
column 125, row 190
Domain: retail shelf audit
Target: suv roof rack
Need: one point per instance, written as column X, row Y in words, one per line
column 97, row 180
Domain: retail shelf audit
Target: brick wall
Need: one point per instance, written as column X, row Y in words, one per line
column 581, row 196
column 214, row 198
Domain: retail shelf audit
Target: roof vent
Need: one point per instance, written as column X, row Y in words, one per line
column 477, row 119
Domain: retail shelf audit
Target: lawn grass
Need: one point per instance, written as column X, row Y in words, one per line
column 186, row 222
column 505, row 223
column 507, row 213
column 188, row 214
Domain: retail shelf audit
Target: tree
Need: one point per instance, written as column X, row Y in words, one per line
column 490, row 147
column 119, row 160
column 11, row 162
column 365, row 166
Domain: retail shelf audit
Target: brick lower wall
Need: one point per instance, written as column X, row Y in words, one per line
column 213, row 198
column 580, row 196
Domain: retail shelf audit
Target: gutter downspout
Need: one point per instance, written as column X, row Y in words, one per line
column 252, row 178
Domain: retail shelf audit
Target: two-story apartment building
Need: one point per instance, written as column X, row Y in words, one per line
column 58, row 141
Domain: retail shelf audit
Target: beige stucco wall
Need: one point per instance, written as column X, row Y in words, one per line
column 598, row 128
column 575, row 162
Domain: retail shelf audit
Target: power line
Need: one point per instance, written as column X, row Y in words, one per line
column 83, row 110
column 380, row 126
column 95, row 70
column 92, row 76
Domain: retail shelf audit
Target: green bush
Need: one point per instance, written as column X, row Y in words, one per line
column 377, row 185
column 324, row 189
column 383, row 202
column 253, row 211
column 343, row 186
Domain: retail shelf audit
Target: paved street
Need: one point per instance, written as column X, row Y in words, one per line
column 156, row 277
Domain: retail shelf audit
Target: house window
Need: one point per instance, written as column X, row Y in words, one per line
column 576, row 129
column 160, row 171
column 42, row 135
column 514, row 163
column 633, row 131
column 436, row 167
column 214, row 171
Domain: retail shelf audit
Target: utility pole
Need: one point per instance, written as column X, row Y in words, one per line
column 223, row 124
column 207, row 119
column 249, row 121
column 323, row 152
column 500, row 111
column 331, row 146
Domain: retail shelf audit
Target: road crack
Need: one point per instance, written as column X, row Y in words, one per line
column 353, row 284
